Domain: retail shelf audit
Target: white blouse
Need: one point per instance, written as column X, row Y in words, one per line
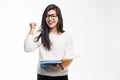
column 62, row 47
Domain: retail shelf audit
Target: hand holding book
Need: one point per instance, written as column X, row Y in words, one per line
column 55, row 67
column 53, row 64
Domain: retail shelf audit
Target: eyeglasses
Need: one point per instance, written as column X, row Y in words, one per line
column 52, row 16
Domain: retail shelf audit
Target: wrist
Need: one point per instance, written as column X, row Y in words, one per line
column 31, row 31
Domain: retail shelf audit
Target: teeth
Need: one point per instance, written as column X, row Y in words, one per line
column 50, row 22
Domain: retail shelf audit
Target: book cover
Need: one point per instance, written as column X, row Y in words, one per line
column 51, row 62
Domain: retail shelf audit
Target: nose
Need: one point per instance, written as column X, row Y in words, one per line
column 50, row 18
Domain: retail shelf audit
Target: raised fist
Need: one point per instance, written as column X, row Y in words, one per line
column 32, row 25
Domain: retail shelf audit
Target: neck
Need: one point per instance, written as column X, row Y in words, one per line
column 53, row 30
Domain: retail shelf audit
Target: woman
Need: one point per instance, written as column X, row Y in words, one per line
column 53, row 43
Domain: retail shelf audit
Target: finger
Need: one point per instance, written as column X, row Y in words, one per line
column 32, row 24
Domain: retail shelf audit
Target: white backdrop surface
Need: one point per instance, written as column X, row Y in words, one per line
column 94, row 24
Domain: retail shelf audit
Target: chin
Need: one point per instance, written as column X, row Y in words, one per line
column 51, row 27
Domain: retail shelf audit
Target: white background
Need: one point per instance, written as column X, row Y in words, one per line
column 94, row 24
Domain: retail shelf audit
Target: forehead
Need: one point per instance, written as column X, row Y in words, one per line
column 51, row 12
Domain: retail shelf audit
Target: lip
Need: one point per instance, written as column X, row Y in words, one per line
column 51, row 22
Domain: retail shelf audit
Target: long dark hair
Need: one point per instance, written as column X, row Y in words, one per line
column 45, row 28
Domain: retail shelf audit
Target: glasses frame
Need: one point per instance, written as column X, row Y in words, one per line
column 52, row 16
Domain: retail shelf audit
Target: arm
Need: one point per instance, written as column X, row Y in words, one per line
column 69, row 52
column 29, row 44
column 68, row 57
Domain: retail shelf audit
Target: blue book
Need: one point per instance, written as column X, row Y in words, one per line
column 51, row 62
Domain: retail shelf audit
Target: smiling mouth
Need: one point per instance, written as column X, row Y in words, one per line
column 50, row 23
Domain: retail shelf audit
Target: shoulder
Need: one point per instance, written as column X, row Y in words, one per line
column 67, row 34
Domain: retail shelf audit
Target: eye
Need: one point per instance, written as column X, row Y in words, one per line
column 52, row 16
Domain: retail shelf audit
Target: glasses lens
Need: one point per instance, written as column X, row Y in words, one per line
column 52, row 16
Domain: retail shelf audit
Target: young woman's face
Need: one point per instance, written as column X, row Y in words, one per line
column 52, row 19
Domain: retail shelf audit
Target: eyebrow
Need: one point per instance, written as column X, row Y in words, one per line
column 51, row 14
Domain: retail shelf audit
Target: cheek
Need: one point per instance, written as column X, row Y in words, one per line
column 56, row 21
column 46, row 22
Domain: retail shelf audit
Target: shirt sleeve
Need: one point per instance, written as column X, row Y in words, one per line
column 69, row 50
column 29, row 43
